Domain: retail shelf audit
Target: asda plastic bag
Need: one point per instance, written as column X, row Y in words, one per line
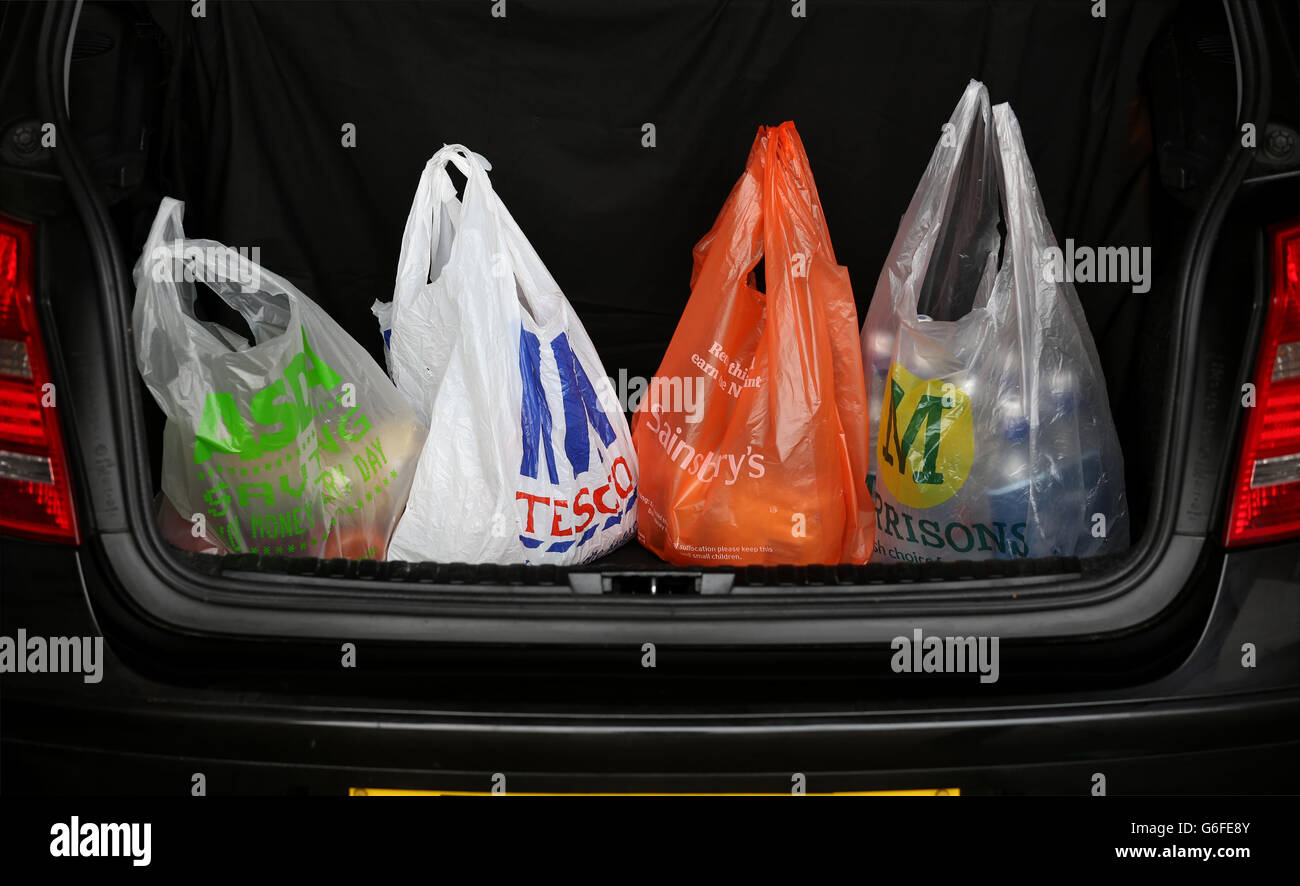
column 529, row 459
column 991, row 432
column 295, row 443
column 767, row 463
column 184, row 533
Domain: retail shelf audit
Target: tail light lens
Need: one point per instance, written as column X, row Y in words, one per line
column 35, row 497
column 1266, row 494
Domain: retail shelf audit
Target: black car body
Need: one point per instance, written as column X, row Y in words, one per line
column 1171, row 668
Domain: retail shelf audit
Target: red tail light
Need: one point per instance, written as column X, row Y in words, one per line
column 35, row 497
column 1266, row 495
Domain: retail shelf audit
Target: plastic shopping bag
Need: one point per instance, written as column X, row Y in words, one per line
column 183, row 533
column 770, row 465
column 293, row 444
column 529, row 458
column 991, row 429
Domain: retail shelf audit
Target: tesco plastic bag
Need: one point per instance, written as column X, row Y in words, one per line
column 769, row 467
column 295, row 443
column 529, row 459
column 991, row 430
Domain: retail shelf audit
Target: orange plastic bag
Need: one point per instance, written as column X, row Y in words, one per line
column 767, row 462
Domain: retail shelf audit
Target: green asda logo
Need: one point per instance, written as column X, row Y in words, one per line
column 927, row 442
column 284, row 403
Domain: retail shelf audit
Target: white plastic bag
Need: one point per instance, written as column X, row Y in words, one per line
column 529, row 458
column 292, row 444
column 990, row 427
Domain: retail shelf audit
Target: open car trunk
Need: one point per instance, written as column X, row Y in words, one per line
column 246, row 112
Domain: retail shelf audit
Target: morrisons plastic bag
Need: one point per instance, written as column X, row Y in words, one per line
column 295, row 443
column 991, row 431
column 529, row 459
column 769, row 467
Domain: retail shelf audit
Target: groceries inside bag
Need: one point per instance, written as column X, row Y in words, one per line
column 766, row 464
column 990, row 426
column 529, row 458
column 292, row 444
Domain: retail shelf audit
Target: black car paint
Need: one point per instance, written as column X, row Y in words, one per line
column 1133, row 667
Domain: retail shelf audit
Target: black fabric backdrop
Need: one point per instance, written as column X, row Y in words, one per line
column 555, row 95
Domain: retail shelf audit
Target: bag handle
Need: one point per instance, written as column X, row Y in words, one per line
column 1028, row 229
column 929, row 222
column 741, row 226
column 795, row 236
column 789, row 174
column 166, row 229
column 1026, row 220
column 262, row 298
column 423, row 230
column 527, row 273
column 738, row 229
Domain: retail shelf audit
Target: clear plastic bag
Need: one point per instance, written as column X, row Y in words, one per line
column 991, row 431
column 295, row 443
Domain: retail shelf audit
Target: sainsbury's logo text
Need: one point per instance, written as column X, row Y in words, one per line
column 707, row 465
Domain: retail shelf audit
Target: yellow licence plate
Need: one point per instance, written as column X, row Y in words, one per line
column 396, row 792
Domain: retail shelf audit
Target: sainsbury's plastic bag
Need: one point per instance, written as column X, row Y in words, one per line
column 529, row 458
column 769, row 467
column 991, row 430
column 293, row 444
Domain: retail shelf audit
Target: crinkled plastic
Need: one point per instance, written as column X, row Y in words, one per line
column 768, row 464
column 529, row 459
column 183, row 532
column 293, row 444
column 991, row 431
